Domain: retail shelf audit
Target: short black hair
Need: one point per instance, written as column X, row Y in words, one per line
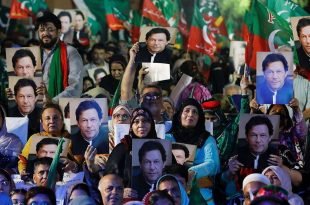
column 152, row 86
column 274, row 57
column 21, row 53
column 150, row 146
column 259, row 120
column 54, row 106
column 117, row 58
column 156, row 195
column 303, row 22
column 42, row 161
column 47, row 17
column 64, row 13
column 177, row 169
column 181, row 147
column 78, row 12
column 24, row 82
column 33, row 191
column 158, row 30
column 86, row 105
column 46, row 141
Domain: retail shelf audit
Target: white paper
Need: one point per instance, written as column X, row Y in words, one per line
column 67, row 124
column 157, row 72
column 18, row 126
column 209, row 126
column 160, row 130
column 184, row 81
column 120, row 130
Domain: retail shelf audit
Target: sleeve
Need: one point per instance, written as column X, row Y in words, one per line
column 76, row 70
column 22, row 163
column 209, row 155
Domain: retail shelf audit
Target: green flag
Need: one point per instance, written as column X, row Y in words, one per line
column 117, row 13
column 34, row 6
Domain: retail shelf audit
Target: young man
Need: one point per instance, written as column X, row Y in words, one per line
column 275, row 89
column 62, row 65
column 88, row 117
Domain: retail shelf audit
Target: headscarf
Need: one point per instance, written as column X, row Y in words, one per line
column 118, row 108
column 256, row 177
column 82, row 200
column 147, row 115
column 286, row 183
column 198, row 134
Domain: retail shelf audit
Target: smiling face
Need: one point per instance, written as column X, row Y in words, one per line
column 189, row 116
column 141, row 126
column 275, row 75
column 258, row 138
column 89, row 124
column 24, row 67
column 152, row 166
column 48, row 35
column 25, row 99
column 111, row 190
column 52, row 121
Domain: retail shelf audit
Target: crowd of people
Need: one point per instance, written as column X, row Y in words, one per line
column 270, row 165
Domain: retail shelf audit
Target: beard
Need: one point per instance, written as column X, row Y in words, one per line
column 50, row 44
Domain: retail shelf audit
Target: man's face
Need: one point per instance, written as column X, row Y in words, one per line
column 98, row 56
column 47, row 150
column 65, row 24
column 250, row 191
column 173, row 190
column 152, row 166
column 79, row 22
column 40, row 199
column 152, row 100
column 189, row 116
column 25, row 100
column 141, row 126
column 111, row 190
column 89, row 124
column 5, row 185
column 304, row 38
column 40, row 175
column 258, row 139
column 179, row 155
column 275, row 75
column 52, row 121
column 48, row 35
column 117, row 71
column 24, row 67
column 157, row 42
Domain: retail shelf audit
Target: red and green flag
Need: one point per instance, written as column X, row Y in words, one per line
column 115, row 100
column 267, row 31
column 135, row 19
column 25, row 8
column 161, row 12
column 201, row 38
column 117, row 13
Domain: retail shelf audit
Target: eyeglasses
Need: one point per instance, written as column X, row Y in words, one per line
column 152, row 96
column 5, row 183
column 49, row 29
column 120, row 116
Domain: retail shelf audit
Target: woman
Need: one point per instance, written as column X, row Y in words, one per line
column 18, row 196
column 117, row 65
column 6, row 182
column 120, row 115
column 279, row 177
column 141, row 126
column 53, row 126
column 10, row 145
column 158, row 198
column 76, row 190
column 188, row 126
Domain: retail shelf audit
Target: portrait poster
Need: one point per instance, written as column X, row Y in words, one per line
column 145, row 29
column 31, row 57
column 274, row 81
column 237, row 54
column 184, row 153
column 66, row 16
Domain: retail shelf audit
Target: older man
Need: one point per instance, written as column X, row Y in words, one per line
column 111, row 189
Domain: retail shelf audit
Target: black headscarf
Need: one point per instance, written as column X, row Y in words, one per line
column 196, row 135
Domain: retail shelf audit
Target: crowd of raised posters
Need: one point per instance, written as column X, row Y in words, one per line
column 135, row 133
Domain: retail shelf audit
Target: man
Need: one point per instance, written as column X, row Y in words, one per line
column 152, row 158
column 24, row 63
column 81, row 38
column 41, row 169
column 66, row 31
column 257, row 154
column 111, row 189
column 251, row 184
column 174, row 188
column 303, row 32
column 100, row 55
column 40, row 195
column 25, row 97
column 180, row 152
column 89, row 117
column 156, row 49
column 276, row 89
column 62, row 65
column 46, row 147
